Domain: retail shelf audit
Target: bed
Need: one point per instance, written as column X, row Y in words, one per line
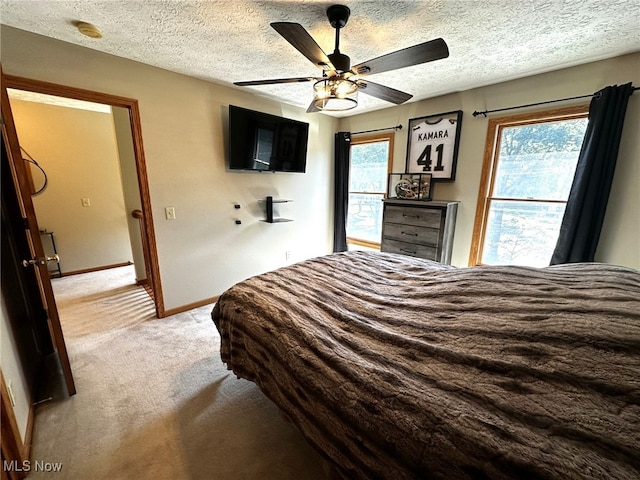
column 400, row 368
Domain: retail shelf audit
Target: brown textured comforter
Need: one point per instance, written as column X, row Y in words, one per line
column 400, row 368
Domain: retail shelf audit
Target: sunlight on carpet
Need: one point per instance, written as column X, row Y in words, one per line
column 101, row 301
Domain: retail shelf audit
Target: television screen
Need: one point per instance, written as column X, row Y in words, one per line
column 260, row 141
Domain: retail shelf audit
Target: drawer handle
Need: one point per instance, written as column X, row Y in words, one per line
column 409, row 234
column 410, row 216
column 410, row 252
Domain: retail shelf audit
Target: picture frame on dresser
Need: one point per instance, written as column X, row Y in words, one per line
column 432, row 145
column 409, row 186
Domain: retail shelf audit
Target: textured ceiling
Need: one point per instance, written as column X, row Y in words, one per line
column 224, row 41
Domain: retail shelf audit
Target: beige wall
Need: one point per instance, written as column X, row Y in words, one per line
column 203, row 251
column 619, row 242
column 77, row 148
column 184, row 119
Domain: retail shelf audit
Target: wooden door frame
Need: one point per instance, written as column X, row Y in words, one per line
column 20, row 83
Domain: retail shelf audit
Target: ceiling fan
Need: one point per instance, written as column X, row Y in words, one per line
column 338, row 87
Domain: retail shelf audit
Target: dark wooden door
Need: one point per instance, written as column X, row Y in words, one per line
column 31, row 291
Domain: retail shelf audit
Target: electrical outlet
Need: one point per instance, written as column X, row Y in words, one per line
column 170, row 213
column 287, row 255
column 12, row 398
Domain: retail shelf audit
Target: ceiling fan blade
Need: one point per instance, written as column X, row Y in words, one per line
column 421, row 53
column 296, row 35
column 275, row 81
column 384, row 93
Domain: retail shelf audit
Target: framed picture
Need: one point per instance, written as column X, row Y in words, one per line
column 409, row 186
column 433, row 145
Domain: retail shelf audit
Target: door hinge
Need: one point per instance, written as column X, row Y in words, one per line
column 25, row 223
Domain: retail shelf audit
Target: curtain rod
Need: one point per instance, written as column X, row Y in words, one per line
column 476, row 113
column 397, row 127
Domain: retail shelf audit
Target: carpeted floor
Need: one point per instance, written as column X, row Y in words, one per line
column 154, row 400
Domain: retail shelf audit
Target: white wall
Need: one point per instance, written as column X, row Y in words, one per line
column 203, row 251
column 130, row 188
column 619, row 242
column 77, row 148
column 12, row 371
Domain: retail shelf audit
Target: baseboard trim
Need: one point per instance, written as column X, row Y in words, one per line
column 191, row 306
column 96, row 269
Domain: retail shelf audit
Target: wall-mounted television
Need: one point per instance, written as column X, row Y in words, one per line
column 263, row 142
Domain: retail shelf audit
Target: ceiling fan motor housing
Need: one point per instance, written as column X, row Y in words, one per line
column 338, row 15
column 340, row 61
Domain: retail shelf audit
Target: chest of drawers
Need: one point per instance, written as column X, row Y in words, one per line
column 419, row 229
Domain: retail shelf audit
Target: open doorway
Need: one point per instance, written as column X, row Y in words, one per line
column 131, row 235
column 83, row 179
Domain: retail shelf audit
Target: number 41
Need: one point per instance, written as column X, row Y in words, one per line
column 425, row 159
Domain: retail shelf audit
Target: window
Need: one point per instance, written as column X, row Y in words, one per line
column 529, row 164
column 369, row 168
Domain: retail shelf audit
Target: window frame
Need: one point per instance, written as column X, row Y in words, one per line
column 490, row 160
column 362, row 140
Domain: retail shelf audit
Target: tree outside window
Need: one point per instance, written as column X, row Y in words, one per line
column 369, row 169
column 525, row 186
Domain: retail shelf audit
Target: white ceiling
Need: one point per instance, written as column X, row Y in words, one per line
column 224, row 41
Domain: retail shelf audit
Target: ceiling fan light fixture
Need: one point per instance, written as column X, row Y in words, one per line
column 335, row 94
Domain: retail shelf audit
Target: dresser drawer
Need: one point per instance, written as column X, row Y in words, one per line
column 411, row 249
column 419, row 229
column 420, row 217
column 412, row 234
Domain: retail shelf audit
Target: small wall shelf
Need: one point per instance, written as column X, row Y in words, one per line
column 269, row 201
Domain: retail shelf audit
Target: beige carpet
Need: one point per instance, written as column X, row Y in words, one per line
column 154, row 400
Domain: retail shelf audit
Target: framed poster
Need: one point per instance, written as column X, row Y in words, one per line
column 433, row 145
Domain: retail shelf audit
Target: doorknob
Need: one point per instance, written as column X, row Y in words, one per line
column 41, row 260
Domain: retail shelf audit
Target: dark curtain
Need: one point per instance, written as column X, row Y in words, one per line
column 587, row 202
column 341, row 199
